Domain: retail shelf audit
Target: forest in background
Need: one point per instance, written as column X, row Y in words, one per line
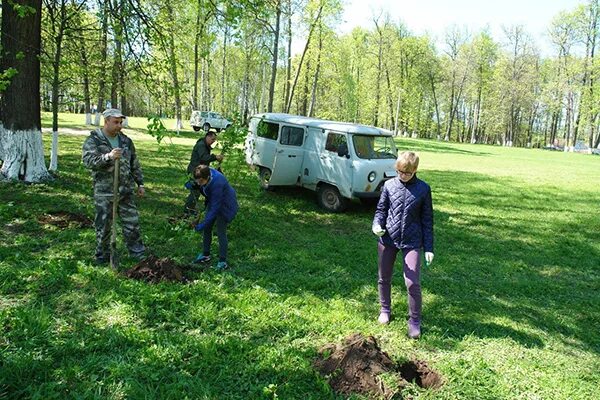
column 153, row 57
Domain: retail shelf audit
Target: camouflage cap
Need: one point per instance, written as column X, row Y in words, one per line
column 113, row 112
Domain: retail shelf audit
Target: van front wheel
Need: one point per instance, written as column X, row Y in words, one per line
column 264, row 175
column 330, row 199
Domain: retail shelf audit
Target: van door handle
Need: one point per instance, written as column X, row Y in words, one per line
column 291, row 155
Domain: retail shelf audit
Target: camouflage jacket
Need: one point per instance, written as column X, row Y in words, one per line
column 95, row 157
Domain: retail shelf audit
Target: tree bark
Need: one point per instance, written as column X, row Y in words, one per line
column 316, row 79
column 173, row 66
column 275, row 56
column 103, row 57
column 21, row 147
column 289, row 103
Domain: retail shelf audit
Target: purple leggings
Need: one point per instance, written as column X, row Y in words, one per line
column 412, row 270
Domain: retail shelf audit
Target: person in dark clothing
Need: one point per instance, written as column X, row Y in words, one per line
column 201, row 155
column 222, row 207
column 404, row 223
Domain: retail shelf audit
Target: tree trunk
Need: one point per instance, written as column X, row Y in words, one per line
column 389, row 96
column 21, row 146
column 315, row 82
column 437, row 108
column 288, row 72
column 173, row 66
column 197, row 37
column 289, row 104
column 58, row 20
column 378, row 82
column 103, row 57
column 86, row 85
column 275, row 56
column 224, row 69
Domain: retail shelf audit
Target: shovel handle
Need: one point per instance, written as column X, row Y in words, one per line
column 115, row 207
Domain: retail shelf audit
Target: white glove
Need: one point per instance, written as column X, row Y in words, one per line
column 378, row 230
column 428, row 258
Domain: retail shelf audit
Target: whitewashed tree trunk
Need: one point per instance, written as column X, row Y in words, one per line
column 22, row 153
column 178, row 124
column 97, row 119
column 125, row 122
column 54, row 152
column 88, row 118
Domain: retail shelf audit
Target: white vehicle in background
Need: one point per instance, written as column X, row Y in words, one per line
column 338, row 160
column 208, row 119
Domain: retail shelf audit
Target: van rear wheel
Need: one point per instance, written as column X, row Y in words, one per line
column 330, row 199
column 264, row 175
column 196, row 128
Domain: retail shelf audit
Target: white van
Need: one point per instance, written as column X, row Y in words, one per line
column 340, row 161
column 208, row 119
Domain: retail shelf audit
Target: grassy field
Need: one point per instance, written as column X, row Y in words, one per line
column 511, row 303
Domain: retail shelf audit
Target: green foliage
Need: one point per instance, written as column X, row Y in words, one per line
column 5, row 77
column 510, row 300
column 22, row 10
column 157, row 129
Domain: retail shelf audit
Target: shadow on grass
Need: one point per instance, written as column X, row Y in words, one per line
column 434, row 146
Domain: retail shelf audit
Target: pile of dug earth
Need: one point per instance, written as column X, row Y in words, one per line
column 358, row 366
column 154, row 270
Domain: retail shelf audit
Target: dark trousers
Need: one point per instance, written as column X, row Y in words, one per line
column 412, row 271
column 192, row 200
column 221, row 235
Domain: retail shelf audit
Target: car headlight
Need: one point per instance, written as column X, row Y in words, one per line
column 372, row 175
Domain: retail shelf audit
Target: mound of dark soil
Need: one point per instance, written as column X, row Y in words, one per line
column 355, row 365
column 65, row 219
column 154, row 270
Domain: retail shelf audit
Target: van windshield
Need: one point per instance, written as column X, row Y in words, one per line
column 370, row 147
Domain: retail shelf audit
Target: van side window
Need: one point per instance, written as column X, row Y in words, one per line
column 267, row 130
column 334, row 141
column 292, row 136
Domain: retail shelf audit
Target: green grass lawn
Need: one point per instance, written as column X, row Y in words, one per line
column 511, row 303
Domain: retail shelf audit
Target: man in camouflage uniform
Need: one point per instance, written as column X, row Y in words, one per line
column 100, row 150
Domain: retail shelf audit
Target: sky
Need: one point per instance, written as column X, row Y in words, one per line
column 436, row 16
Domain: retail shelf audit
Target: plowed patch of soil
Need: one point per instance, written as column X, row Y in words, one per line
column 65, row 219
column 355, row 365
column 154, row 270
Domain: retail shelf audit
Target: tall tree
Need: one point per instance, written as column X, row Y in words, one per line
column 21, row 148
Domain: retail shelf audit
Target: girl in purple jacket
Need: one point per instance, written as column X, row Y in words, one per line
column 404, row 223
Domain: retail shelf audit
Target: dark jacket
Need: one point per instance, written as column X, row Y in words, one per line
column 221, row 200
column 405, row 211
column 200, row 155
column 95, row 157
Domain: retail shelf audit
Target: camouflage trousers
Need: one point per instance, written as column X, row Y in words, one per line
column 130, row 225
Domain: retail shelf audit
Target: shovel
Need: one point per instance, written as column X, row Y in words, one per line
column 114, row 260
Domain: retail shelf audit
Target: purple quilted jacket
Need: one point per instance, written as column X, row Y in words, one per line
column 405, row 212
